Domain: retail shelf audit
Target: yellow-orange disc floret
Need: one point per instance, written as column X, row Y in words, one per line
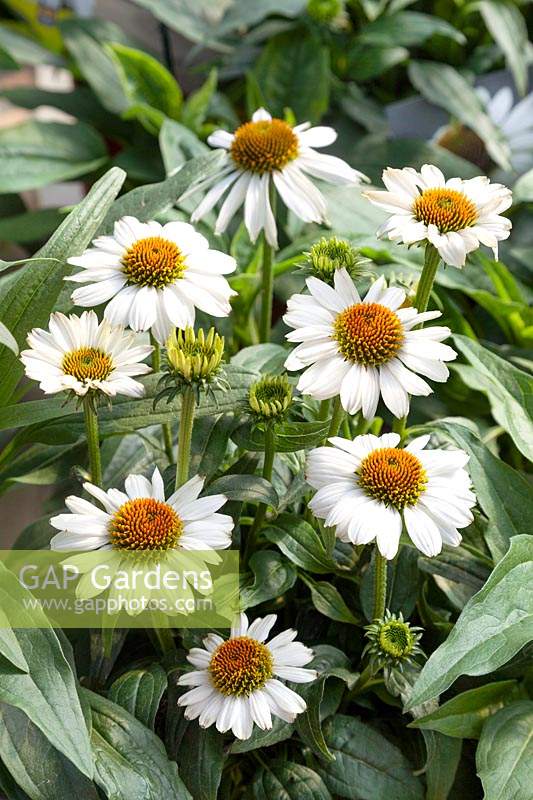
column 153, row 261
column 145, row 524
column 87, row 363
column 448, row 209
column 240, row 666
column 264, row 146
column 395, row 477
column 368, row 333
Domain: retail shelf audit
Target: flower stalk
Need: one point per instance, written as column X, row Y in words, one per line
column 425, row 285
column 337, row 417
column 380, row 585
column 167, row 430
column 268, row 464
column 93, row 440
column 267, row 291
column 188, row 407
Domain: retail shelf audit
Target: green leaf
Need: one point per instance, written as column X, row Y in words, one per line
column 9, row 645
column 47, row 693
column 443, row 756
column 95, row 63
column 35, row 153
column 196, row 105
column 8, row 340
column 505, row 753
column 273, row 575
column 293, row 72
column 328, row 600
column 300, row 543
column 130, row 760
column 493, row 626
column 178, row 144
column 248, row 488
column 507, row 25
column 289, row 437
column 200, row 752
column 285, row 780
column 523, row 188
column 139, row 691
column 407, row 28
column 26, row 51
column 125, row 416
column 463, row 716
column 267, row 358
column 367, row 766
column 279, row 732
column 34, row 291
column 443, row 85
column 368, row 62
column 146, row 202
column 503, row 494
column 508, row 390
column 329, row 663
column 32, row 226
column 38, row 768
column 210, row 442
column 147, row 84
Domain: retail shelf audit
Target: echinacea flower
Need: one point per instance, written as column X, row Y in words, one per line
column 268, row 151
column 140, row 519
column 363, row 349
column 79, row 354
column 515, row 122
column 236, row 681
column 154, row 276
column 454, row 215
column 369, row 488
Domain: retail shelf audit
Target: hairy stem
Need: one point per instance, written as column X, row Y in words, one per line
column 425, row 284
column 337, row 417
column 268, row 463
column 380, row 585
column 167, row 430
column 93, row 441
column 188, row 405
column 267, row 291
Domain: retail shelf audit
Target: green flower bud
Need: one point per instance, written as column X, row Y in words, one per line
column 270, row 398
column 325, row 11
column 328, row 255
column 195, row 358
column 392, row 642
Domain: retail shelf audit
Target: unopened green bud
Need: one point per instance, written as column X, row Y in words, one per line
column 328, row 255
column 392, row 642
column 270, row 397
column 325, row 10
column 195, row 358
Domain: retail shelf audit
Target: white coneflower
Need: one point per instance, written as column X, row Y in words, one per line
column 267, row 150
column 368, row 487
column 455, row 215
column 236, row 681
column 78, row 354
column 154, row 276
column 363, row 349
column 141, row 519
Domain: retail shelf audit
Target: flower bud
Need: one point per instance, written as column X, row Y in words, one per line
column 392, row 642
column 195, row 358
column 328, row 255
column 270, row 398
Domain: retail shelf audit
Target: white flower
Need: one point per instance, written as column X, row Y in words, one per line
column 236, row 682
column 154, row 276
column 80, row 355
column 268, row 148
column 455, row 215
column 369, row 486
column 141, row 519
column 515, row 122
column 363, row 349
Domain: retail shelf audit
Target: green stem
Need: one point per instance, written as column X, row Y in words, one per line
column 93, row 441
column 167, row 430
column 268, row 463
column 188, row 405
column 165, row 641
column 337, row 417
column 267, row 291
column 380, row 585
column 323, row 410
column 425, row 284
column 400, row 426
